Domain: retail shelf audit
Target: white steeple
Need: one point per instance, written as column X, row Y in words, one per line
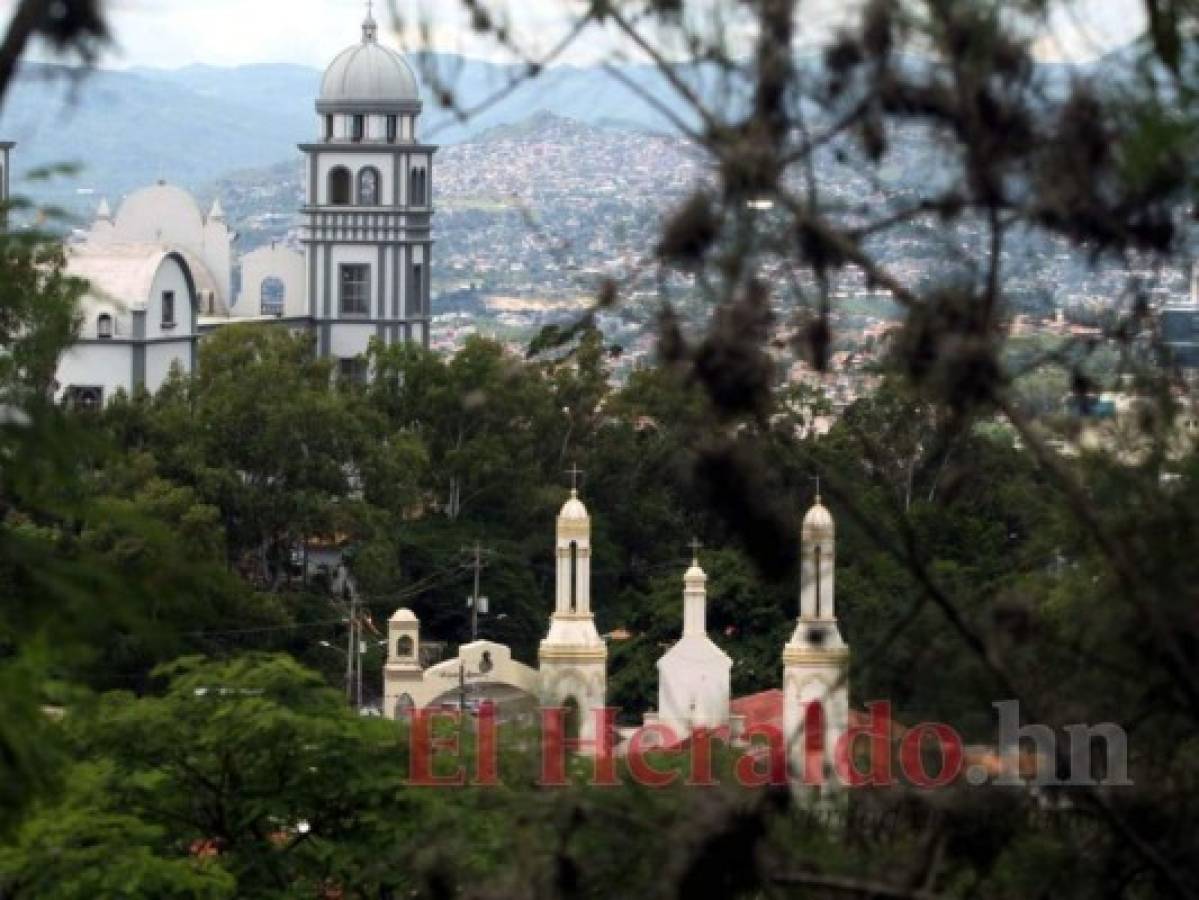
column 104, row 211
column 573, row 595
column 217, row 213
column 573, row 657
column 816, row 659
column 693, row 675
column 695, row 600
column 818, row 564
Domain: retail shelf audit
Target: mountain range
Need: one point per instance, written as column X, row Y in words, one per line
column 194, row 125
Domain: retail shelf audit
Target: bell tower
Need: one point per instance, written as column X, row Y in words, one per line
column 369, row 207
column 403, row 673
column 573, row 657
column 816, row 659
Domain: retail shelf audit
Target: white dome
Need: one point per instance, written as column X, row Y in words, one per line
column 818, row 521
column 404, row 615
column 368, row 72
column 574, row 509
column 146, row 210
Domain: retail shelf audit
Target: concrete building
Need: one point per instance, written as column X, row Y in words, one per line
column 138, row 321
column 364, row 273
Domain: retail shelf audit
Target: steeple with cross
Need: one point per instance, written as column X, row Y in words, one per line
column 573, row 656
column 574, row 472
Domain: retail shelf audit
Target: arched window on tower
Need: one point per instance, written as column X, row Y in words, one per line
column 273, row 296
column 404, row 647
column 368, row 187
column 574, row 576
column 340, row 187
column 104, row 327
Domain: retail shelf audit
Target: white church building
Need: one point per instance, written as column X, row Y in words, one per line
column 161, row 270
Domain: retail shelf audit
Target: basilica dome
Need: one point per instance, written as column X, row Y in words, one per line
column 369, row 73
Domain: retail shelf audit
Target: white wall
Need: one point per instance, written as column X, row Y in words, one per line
column 347, row 341
column 272, row 262
column 170, row 277
column 109, row 366
column 160, row 358
column 693, row 686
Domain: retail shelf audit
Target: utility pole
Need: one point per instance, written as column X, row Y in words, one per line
column 351, row 648
column 475, row 601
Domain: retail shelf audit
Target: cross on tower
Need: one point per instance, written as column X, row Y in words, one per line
column 816, row 478
column 696, row 546
column 370, row 9
column 574, row 472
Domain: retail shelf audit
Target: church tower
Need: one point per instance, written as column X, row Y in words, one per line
column 816, row 659
column 403, row 673
column 573, row 657
column 693, row 675
column 367, row 233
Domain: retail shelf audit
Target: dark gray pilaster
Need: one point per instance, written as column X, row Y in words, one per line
column 397, row 257
column 313, row 250
column 137, row 377
column 382, row 282
column 427, row 283
column 328, row 300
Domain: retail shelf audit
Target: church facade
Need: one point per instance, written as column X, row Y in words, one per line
column 694, row 675
column 361, row 272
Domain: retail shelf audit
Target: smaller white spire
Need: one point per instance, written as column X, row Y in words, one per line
column 695, row 597
column 217, row 213
column 103, row 211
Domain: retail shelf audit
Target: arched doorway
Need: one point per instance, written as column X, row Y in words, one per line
column 573, row 720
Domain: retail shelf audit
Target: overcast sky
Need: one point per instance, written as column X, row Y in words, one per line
column 172, row 33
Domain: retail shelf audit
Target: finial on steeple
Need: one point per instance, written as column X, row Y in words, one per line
column 819, row 501
column 370, row 29
column 696, row 546
column 574, row 472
